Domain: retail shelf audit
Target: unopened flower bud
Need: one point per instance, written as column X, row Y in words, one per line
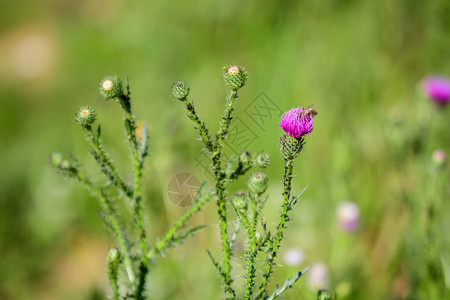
column 113, row 259
column 85, row 115
column 257, row 183
column 55, row 159
column 232, row 166
column 234, row 77
column 111, row 87
column 245, row 158
column 261, row 160
column 240, row 201
column 113, row 255
column 180, row 89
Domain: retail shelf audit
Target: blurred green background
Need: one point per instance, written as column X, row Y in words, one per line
column 359, row 62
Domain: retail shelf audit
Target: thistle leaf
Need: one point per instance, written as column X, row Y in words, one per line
column 295, row 198
column 287, row 284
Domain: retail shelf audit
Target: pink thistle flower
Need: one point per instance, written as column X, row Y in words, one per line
column 296, row 123
column 437, row 89
column 318, row 276
column 348, row 216
column 293, row 257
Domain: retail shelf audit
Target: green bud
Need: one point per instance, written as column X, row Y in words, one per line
column 66, row 165
column 55, row 159
column 240, row 201
column 324, row 295
column 180, row 89
column 85, row 115
column 113, row 260
column 113, row 257
column 259, row 237
column 231, row 166
column 261, row 160
column 257, row 183
column 111, row 87
column 245, row 158
column 234, row 76
column 291, row 147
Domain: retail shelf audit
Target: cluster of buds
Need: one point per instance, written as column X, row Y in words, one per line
column 234, row 76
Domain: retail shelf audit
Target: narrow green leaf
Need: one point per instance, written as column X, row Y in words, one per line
column 287, row 284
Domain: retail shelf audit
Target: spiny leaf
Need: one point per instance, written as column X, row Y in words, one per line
column 216, row 264
column 287, row 284
column 295, row 198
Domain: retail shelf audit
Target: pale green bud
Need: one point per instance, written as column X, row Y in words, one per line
column 261, row 160
column 240, row 201
column 234, row 77
column 180, row 89
column 111, row 87
column 85, row 116
column 257, row 183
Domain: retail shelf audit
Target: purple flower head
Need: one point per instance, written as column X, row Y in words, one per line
column 437, row 89
column 297, row 124
column 348, row 216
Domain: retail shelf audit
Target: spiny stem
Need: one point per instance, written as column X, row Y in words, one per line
column 226, row 120
column 130, row 128
column 164, row 243
column 113, row 221
column 252, row 250
column 96, row 143
column 220, row 193
column 199, row 125
column 288, row 165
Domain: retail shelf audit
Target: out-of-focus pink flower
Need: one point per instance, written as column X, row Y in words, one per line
column 318, row 276
column 439, row 156
column 293, row 257
column 296, row 124
column 348, row 216
column 437, row 89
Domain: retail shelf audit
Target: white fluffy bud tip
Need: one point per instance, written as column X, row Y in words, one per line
column 233, row 69
column 107, row 85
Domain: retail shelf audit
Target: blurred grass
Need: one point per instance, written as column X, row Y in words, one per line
column 359, row 62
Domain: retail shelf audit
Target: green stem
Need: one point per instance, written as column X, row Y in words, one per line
column 162, row 245
column 220, row 193
column 115, row 289
column 107, row 163
column 252, row 250
column 111, row 216
column 288, row 165
column 199, row 125
column 130, row 128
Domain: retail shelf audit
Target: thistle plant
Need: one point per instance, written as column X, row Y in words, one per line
column 135, row 257
column 126, row 258
column 248, row 205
